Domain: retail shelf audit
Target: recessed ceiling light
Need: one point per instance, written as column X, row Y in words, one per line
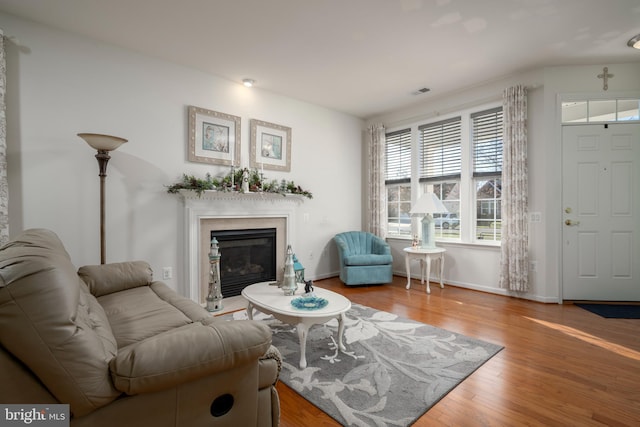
column 248, row 82
column 634, row 42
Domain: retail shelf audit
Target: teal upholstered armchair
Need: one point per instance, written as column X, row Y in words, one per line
column 364, row 258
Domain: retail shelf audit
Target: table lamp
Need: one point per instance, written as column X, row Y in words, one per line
column 427, row 205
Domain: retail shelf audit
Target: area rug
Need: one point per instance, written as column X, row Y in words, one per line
column 393, row 371
column 613, row 311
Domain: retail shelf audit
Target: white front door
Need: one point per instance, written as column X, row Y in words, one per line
column 601, row 212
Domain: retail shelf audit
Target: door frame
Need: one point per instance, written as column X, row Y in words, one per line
column 556, row 216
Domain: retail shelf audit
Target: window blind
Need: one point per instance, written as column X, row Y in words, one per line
column 398, row 156
column 487, row 142
column 440, row 145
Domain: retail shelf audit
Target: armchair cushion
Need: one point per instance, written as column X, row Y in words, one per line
column 137, row 314
column 370, row 259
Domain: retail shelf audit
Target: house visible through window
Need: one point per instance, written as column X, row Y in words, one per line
column 487, row 172
column 398, row 182
column 440, row 170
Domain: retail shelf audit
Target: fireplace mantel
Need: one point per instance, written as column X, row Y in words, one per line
column 199, row 209
column 212, row 195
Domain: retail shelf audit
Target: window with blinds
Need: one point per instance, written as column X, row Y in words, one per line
column 487, row 142
column 440, row 150
column 398, row 156
column 487, row 172
column 398, row 182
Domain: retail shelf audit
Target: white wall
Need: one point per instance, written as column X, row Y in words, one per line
column 477, row 266
column 60, row 84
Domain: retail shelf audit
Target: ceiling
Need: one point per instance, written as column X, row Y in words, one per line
column 361, row 57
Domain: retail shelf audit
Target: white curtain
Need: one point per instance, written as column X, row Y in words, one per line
column 515, row 233
column 4, row 186
column 377, row 209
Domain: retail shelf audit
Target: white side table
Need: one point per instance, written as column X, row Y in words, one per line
column 424, row 256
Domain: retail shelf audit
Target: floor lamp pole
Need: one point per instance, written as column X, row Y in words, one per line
column 103, row 158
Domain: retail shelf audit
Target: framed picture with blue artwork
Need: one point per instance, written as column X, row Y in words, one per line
column 214, row 137
column 270, row 146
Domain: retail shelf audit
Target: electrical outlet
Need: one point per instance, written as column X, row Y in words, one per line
column 533, row 266
column 167, row 273
column 535, row 217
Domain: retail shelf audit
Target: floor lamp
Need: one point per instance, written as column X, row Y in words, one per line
column 426, row 205
column 104, row 144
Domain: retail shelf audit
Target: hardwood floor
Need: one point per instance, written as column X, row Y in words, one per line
column 561, row 365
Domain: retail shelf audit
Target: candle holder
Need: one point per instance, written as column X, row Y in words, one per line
column 233, row 178
column 245, row 180
column 289, row 285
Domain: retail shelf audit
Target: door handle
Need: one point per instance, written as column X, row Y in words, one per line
column 570, row 223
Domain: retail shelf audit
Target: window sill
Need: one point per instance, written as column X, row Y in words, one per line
column 452, row 243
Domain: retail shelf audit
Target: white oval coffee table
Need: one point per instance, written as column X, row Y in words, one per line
column 270, row 299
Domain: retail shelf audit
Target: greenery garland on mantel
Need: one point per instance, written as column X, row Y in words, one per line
column 233, row 182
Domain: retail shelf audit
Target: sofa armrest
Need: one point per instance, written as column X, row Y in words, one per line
column 115, row 277
column 270, row 368
column 188, row 353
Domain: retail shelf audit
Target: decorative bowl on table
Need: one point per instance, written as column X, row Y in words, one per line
column 309, row 302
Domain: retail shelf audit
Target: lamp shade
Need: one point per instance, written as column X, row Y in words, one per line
column 102, row 142
column 428, row 204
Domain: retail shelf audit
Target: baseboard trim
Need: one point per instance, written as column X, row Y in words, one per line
column 492, row 290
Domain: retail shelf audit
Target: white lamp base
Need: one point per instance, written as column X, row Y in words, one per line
column 428, row 232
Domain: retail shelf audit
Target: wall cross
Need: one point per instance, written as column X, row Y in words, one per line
column 605, row 76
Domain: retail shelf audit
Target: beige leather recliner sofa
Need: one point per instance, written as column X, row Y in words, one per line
column 122, row 349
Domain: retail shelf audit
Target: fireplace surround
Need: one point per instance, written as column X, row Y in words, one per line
column 214, row 210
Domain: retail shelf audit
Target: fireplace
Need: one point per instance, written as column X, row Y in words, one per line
column 247, row 256
column 218, row 210
column 214, row 226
